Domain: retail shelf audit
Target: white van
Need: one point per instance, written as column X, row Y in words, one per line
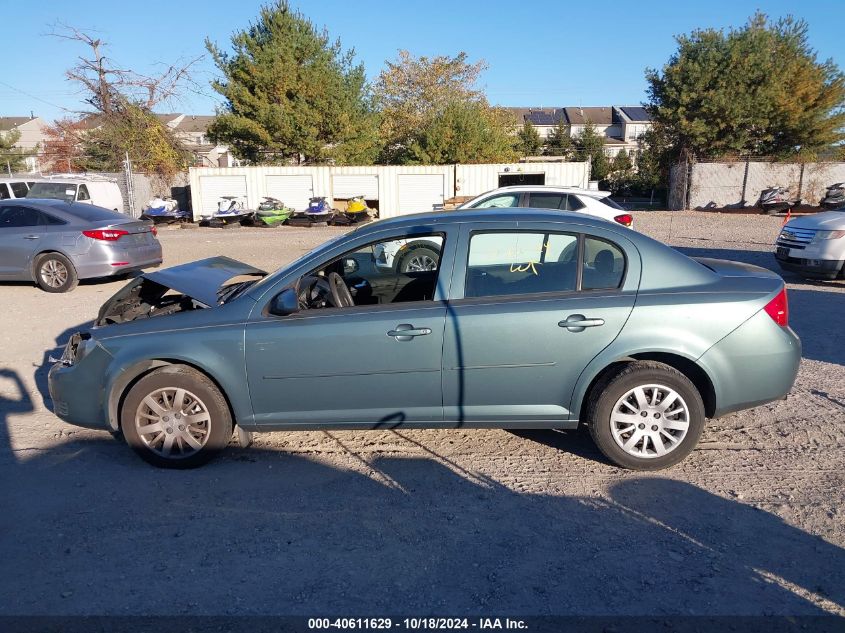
column 96, row 190
column 14, row 188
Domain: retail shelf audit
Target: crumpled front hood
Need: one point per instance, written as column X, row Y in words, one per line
column 201, row 280
column 827, row 221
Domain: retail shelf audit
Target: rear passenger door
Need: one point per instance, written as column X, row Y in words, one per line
column 21, row 231
column 532, row 308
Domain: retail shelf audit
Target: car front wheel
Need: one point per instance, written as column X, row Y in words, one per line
column 175, row 417
column 648, row 416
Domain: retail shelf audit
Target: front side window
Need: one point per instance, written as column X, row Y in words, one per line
column 604, row 265
column 83, row 193
column 499, row 202
column 399, row 270
column 4, row 191
column 17, row 217
column 521, row 262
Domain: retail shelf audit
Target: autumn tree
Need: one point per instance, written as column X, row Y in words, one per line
column 528, row 140
column 413, row 92
column 758, row 89
column 292, row 93
column 12, row 158
column 63, row 148
column 559, row 142
column 465, row 132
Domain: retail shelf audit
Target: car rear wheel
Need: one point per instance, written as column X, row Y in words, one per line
column 175, row 417
column 55, row 273
column 648, row 416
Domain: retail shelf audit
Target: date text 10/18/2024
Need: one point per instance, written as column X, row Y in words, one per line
column 416, row 624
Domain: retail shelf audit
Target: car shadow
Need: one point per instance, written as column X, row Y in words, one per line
column 812, row 306
column 88, row 528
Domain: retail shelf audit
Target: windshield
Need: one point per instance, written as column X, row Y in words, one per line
column 611, row 203
column 54, row 190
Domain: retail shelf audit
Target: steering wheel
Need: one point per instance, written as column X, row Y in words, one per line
column 319, row 292
column 341, row 297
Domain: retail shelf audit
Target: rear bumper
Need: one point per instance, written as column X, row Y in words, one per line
column 755, row 364
column 116, row 261
column 812, row 268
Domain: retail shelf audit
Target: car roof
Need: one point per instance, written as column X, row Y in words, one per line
column 509, row 214
column 78, row 210
column 593, row 193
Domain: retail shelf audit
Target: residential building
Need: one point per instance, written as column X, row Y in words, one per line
column 192, row 131
column 31, row 130
column 621, row 126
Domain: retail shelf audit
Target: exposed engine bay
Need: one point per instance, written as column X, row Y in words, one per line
column 144, row 300
column 203, row 284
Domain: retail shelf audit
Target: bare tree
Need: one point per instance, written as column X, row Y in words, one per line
column 107, row 85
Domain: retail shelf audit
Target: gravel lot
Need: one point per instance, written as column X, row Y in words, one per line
column 418, row 522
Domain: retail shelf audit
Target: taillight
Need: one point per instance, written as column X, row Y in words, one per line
column 153, row 230
column 107, row 235
column 625, row 219
column 778, row 308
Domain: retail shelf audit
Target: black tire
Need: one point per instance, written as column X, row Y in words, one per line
column 205, row 398
column 612, row 388
column 54, row 272
column 417, row 254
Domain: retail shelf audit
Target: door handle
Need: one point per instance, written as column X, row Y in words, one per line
column 577, row 323
column 406, row 332
column 31, row 237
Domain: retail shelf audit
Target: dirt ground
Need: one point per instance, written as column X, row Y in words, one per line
column 421, row 522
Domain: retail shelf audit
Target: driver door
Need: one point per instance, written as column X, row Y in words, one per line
column 353, row 366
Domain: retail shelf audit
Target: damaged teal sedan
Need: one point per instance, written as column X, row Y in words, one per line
column 521, row 319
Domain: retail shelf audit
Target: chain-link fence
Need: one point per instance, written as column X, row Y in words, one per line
column 738, row 184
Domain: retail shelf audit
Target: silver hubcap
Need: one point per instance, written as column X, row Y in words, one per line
column 173, row 423
column 650, row 421
column 54, row 273
column 421, row 262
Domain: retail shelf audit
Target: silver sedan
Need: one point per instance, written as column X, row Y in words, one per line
column 56, row 243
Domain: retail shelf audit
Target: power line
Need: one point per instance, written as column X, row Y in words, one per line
column 31, row 96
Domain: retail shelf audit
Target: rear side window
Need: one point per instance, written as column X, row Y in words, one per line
column 604, row 265
column 19, row 189
column 573, row 203
column 17, row 217
column 548, row 200
column 521, row 262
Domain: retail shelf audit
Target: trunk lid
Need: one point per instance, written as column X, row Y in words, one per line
column 726, row 268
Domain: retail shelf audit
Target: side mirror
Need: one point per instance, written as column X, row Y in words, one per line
column 349, row 266
column 285, row 303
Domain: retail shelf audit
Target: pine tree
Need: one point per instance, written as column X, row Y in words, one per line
column 528, row 140
column 559, row 143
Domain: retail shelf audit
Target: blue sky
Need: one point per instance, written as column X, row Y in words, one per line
column 541, row 53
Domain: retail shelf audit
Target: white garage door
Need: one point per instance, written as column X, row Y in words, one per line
column 345, row 187
column 294, row 191
column 420, row 192
column 213, row 187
